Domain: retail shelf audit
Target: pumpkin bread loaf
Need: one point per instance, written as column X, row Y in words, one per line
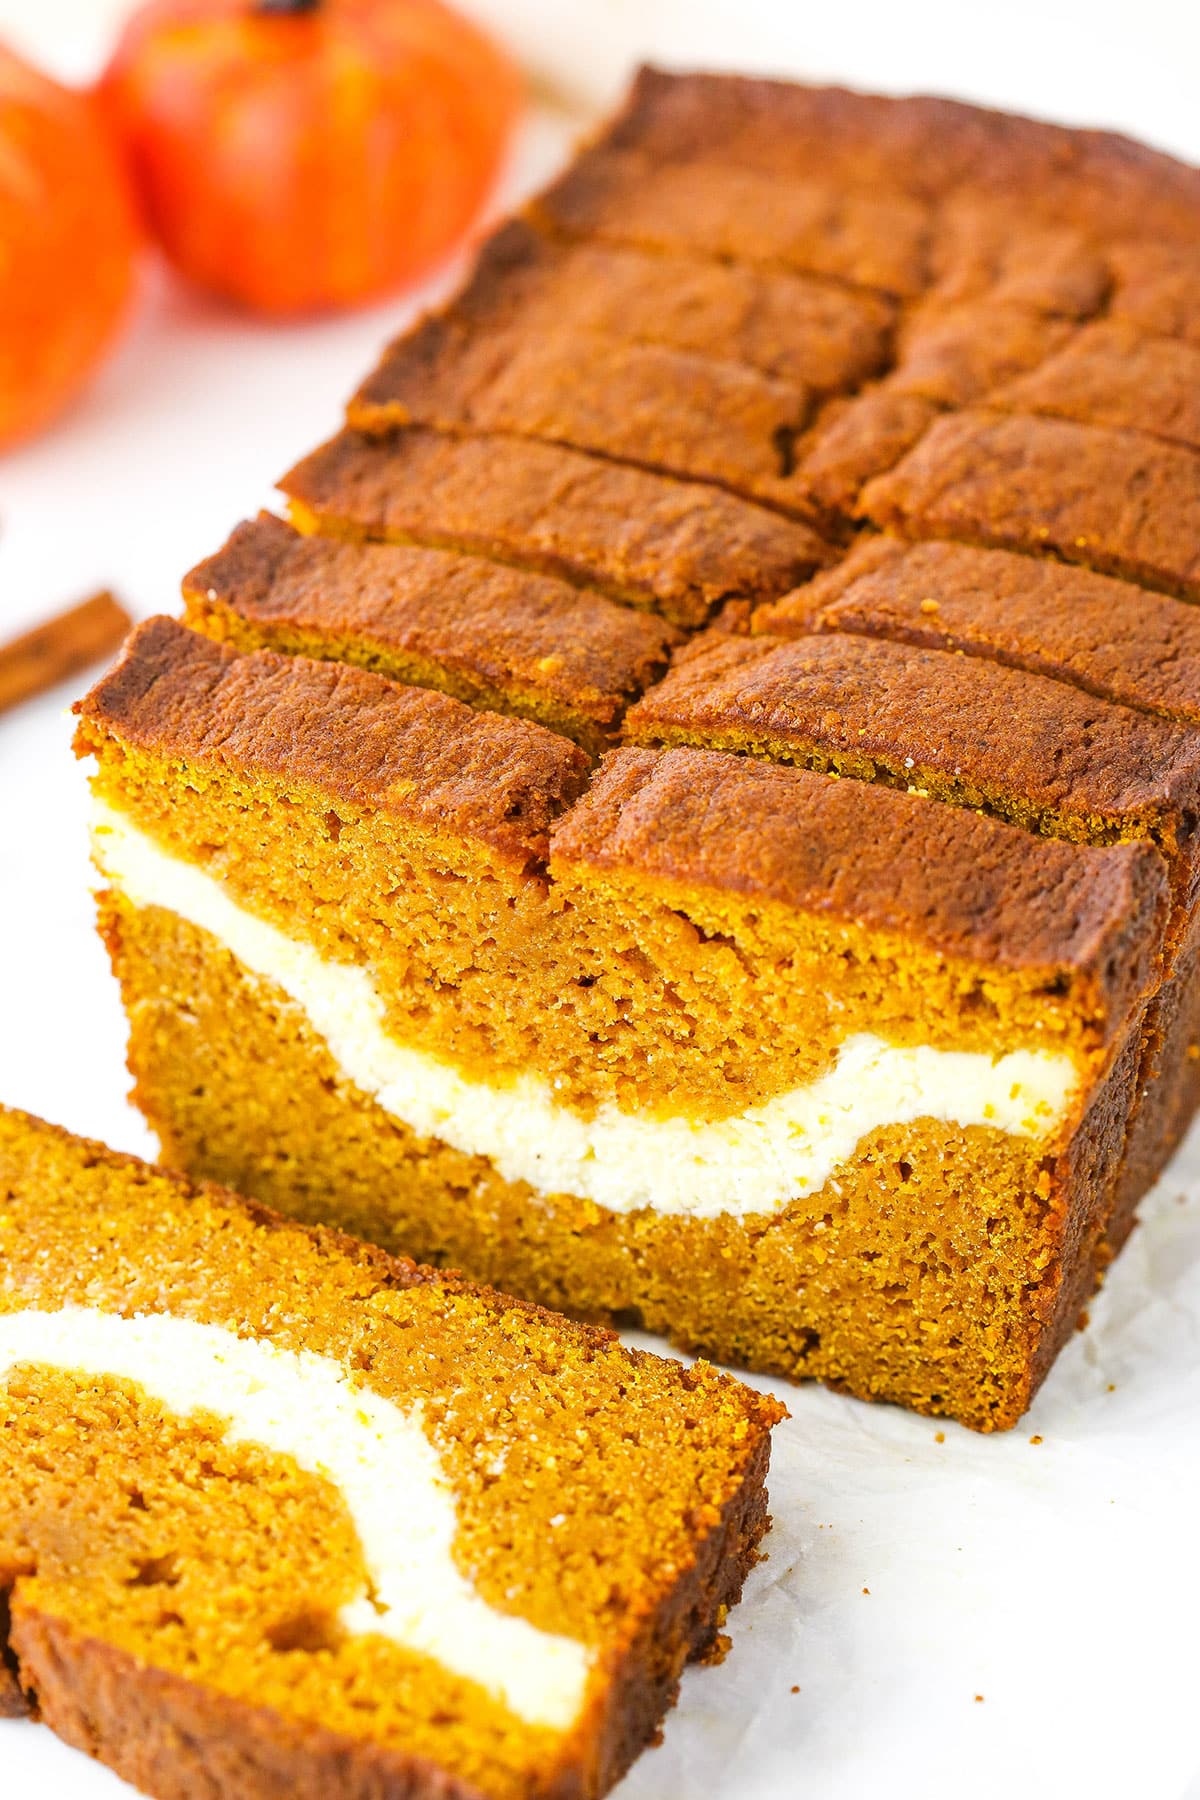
column 697, row 817
column 706, row 1016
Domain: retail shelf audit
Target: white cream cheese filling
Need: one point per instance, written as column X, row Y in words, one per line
column 375, row 1453
column 755, row 1161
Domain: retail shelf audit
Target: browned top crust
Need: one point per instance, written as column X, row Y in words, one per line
column 965, row 885
column 854, row 440
column 928, row 148
column 1111, row 374
column 416, row 755
column 1038, row 751
column 1119, row 501
column 1105, row 636
column 506, row 634
column 956, row 354
column 645, row 404
column 816, row 335
column 805, row 222
column 682, row 330
column 1157, row 287
column 993, row 250
column 674, row 547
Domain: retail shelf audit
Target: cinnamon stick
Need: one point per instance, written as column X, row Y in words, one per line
column 64, row 646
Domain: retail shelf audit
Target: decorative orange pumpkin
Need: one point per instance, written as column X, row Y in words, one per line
column 68, row 238
column 297, row 155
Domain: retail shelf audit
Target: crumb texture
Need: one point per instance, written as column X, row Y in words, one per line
column 889, row 1281
column 155, row 1566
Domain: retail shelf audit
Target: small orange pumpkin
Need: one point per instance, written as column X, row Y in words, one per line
column 297, row 155
column 68, row 240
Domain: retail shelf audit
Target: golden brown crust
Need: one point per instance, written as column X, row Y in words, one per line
column 1116, row 501
column 1033, row 751
column 407, row 752
column 1111, row 374
column 674, row 547
column 953, row 355
column 992, row 249
column 959, row 882
column 647, row 405
column 1107, row 637
column 809, row 332
column 854, row 440
column 809, row 223
column 930, row 149
column 492, row 636
column 1157, row 287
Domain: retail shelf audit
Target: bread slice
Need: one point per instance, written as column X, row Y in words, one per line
column 286, row 1514
column 677, row 548
column 496, row 637
column 976, row 732
column 1112, row 375
column 1107, row 637
column 820, row 336
column 1121, row 502
column 970, row 730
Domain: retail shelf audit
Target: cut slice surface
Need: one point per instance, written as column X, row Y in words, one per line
column 747, row 947
column 235, row 1555
column 879, row 1280
column 671, row 1163
column 1031, row 174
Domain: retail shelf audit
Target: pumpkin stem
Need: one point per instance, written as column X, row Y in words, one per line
column 293, row 9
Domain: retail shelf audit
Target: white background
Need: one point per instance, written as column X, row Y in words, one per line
column 1060, row 1580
